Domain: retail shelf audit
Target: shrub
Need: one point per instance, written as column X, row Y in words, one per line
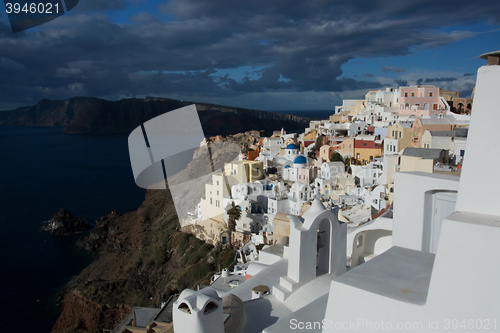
column 183, row 243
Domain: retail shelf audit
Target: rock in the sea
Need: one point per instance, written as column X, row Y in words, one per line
column 64, row 223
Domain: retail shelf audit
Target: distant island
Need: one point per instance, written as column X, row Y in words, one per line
column 90, row 115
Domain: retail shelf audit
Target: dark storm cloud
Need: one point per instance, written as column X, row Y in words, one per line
column 386, row 69
column 401, row 83
column 99, row 5
column 302, row 44
column 370, row 75
column 437, row 79
column 440, row 79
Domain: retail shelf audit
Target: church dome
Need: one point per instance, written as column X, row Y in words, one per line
column 300, row 160
column 291, row 146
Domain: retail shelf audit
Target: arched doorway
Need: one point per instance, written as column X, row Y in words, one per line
column 323, row 247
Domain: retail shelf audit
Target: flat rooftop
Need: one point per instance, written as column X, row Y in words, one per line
column 276, row 249
column 398, row 273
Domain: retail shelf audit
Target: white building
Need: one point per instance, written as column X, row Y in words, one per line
column 332, row 129
column 440, row 274
column 270, row 148
column 369, row 174
column 299, row 193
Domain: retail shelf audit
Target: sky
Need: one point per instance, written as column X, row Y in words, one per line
column 260, row 54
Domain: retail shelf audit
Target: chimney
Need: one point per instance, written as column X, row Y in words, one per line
column 493, row 58
column 472, row 195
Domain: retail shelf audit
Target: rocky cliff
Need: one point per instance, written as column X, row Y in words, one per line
column 83, row 115
column 141, row 259
column 64, row 223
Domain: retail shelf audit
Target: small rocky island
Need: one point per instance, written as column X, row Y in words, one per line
column 64, row 223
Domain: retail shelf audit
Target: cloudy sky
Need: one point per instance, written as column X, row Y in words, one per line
column 262, row 54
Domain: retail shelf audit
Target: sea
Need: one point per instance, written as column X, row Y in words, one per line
column 41, row 170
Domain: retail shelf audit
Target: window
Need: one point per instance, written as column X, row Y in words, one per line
column 211, row 201
column 412, row 94
column 357, row 155
column 217, row 192
column 217, row 182
column 210, row 308
column 184, row 307
column 430, row 94
column 406, row 94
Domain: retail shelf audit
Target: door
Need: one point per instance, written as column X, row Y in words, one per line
column 443, row 205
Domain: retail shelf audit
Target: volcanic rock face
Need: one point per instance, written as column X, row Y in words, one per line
column 141, row 259
column 64, row 223
column 87, row 115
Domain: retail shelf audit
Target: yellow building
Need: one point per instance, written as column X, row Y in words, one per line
column 347, row 148
column 422, row 159
column 310, row 136
column 235, row 173
column 254, row 170
column 366, row 148
column 342, row 117
column 399, row 137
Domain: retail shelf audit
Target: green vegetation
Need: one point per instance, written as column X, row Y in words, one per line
column 234, row 214
column 336, row 157
column 199, row 261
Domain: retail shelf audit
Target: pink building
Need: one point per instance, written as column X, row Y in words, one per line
column 421, row 101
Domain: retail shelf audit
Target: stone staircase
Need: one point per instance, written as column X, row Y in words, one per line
column 286, row 287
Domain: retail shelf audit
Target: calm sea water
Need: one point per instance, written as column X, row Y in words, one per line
column 42, row 170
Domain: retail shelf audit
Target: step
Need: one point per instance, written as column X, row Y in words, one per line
column 288, row 283
column 281, row 293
